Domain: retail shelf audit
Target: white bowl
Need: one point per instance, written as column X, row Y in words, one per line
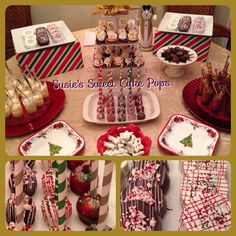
column 176, row 69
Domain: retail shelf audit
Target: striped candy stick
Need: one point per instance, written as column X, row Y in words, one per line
column 106, row 185
column 94, row 181
column 60, row 193
column 18, row 176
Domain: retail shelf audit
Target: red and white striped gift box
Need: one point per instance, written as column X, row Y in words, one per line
column 52, row 61
column 200, row 44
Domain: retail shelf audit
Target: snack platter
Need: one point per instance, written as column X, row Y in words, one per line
column 56, row 135
column 18, row 40
column 191, row 53
column 152, row 108
column 170, row 221
column 74, row 222
column 163, row 27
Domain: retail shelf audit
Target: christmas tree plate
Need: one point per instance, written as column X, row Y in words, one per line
column 184, row 136
column 57, row 139
column 150, row 103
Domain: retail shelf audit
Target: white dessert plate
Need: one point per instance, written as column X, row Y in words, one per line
column 59, row 134
column 150, row 101
column 176, row 69
column 185, row 136
column 18, row 40
column 163, row 27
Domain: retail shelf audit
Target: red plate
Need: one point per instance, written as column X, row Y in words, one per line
column 29, row 123
column 190, row 97
column 115, row 131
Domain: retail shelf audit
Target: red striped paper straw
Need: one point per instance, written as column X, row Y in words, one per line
column 18, row 176
column 106, row 186
column 94, row 181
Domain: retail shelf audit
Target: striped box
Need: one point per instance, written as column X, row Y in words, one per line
column 200, row 44
column 52, row 61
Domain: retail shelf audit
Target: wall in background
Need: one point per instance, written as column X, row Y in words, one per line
column 80, row 17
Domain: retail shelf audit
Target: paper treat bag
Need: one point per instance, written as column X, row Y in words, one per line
column 52, row 61
column 200, row 44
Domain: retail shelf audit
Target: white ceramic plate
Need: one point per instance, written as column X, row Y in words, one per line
column 204, row 138
column 18, row 40
column 193, row 56
column 150, row 101
column 58, row 133
column 208, row 24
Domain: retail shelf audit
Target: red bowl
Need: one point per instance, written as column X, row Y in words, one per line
column 115, row 131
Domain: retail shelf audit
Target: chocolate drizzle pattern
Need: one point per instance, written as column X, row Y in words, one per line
column 142, row 201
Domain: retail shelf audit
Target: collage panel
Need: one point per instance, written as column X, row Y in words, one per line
column 73, row 195
column 187, row 195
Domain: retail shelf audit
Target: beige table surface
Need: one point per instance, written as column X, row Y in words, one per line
column 170, row 100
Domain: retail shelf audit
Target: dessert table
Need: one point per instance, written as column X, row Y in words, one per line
column 170, row 99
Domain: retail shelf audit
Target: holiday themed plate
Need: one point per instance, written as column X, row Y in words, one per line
column 17, row 36
column 29, row 123
column 165, row 24
column 176, row 69
column 57, row 139
column 117, row 131
column 150, row 101
column 187, row 137
column 218, row 120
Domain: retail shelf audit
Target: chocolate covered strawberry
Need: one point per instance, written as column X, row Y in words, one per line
column 88, row 209
column 80, row 180
column 72, row 164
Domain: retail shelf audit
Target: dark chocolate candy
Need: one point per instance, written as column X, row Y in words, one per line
column 152, row 172
column 152, row 195
column 42, row 36
column 29, row 210
column 29, row 182
column 184, row 23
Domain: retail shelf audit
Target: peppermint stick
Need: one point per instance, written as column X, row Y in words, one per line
column 18, row 176
column 106, row 185
column 61, row 189
column 94, row 181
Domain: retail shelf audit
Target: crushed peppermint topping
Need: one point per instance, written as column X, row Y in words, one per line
column 210, row 165
column 147, row 173
column 140, row 193
column 135, row 220
column 207, row 212
column 203, row 181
